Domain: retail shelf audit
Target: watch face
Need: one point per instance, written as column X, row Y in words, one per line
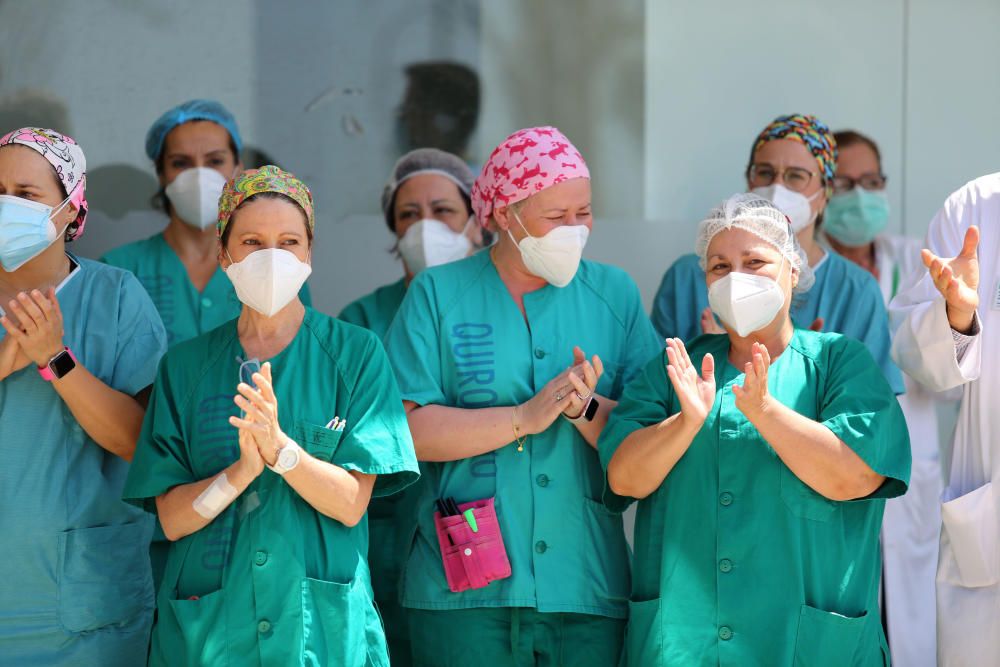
column 288, row 458
column 62, row 364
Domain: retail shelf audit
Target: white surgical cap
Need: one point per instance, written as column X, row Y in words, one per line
column 425, row 161
column 761, row 218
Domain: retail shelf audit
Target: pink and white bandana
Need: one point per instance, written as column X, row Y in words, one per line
column 65, row 156
column 526, row 162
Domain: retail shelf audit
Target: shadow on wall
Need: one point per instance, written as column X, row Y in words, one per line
column 34, row 108
column 440, row 108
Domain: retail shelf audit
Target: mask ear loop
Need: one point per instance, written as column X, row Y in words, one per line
column 526, row 232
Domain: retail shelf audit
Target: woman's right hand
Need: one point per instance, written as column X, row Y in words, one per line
column 695, row 392
column 250, row 459
column 12, row 357
column 538, row 413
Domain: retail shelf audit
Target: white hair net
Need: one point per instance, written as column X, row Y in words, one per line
column 761, row 218
column 425, row 161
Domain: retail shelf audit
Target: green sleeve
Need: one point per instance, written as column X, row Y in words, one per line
column 141, row 336
column 643, row 343
column 377, row 438
column 413, row 346
column 645, row 401
column 161, row 459
column 354, row 313
column 859, row 406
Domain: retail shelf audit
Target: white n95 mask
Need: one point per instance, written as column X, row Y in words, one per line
column 267, row 280
column 194, row 194
column 746, row 302
column 430, row 243
column 556, row 256
column 793, row 204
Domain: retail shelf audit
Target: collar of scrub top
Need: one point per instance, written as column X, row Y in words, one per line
column 74, row 268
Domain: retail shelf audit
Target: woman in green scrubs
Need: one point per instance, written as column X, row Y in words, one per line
column 78, row 351
column 497, row 398
column 264, row 496
column 761, row 459
column 427, row 207
column 195, row 148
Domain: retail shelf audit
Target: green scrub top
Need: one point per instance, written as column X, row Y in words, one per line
column 78, row 589
column 185, row 311
column 271, row 581
column 845, row 296
column 459, row 340
column 376, row 310
column 737, row 561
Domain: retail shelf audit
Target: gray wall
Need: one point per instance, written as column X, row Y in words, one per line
column 662, row 96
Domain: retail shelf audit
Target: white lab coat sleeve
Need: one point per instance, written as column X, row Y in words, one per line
column 923, row 345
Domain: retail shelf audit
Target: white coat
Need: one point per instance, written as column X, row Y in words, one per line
column 912, row 523
column 968, row 576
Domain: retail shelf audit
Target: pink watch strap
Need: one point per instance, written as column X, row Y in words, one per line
column 47, row 373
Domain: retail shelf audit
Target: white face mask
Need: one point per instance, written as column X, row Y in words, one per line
column 793, row 204
column 746, row 302
column 267, row 280
column 554, row 257
column 194, row 194
column 430, row 243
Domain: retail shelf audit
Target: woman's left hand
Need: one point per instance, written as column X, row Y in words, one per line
column 584, row 376
column 261, row 420
column 39, row 326
column 753, row 399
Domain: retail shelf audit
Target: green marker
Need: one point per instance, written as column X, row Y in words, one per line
column 470, row 519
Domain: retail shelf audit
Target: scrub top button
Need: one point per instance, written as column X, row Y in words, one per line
column 539, row 353
column 206, row 302
column 725, row 565
column 726, row 499
column 725, row 634
column 541, row 546
column 263, row 627
column 542, row 480
column 260, row 557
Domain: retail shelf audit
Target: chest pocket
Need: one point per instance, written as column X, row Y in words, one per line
column 319, row 441
column 801, row 500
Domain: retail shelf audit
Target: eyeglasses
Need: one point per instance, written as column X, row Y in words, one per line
column 842, row 184
column 247, row 369
column 795, row 179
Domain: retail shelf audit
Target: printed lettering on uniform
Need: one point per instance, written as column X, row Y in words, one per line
column 474, row 351
column 996, row 295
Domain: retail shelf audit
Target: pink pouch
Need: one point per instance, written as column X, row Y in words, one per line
column 472, row 559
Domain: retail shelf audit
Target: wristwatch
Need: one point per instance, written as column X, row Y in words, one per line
column 58, row 366
column 288, row 457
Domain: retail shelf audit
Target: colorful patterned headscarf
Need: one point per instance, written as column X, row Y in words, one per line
column 526, row 162
column 187, row 112
column 266, row 179
column 809, row 131
column 66, row 157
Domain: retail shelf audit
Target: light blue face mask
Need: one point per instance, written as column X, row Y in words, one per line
column 855, row 218
column 26, row 230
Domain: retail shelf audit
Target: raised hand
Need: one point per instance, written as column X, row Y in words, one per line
column 695, row 391
column 37, row 325
column 957, row 279
column 583, row 375
column 12, row 357
column 753, row 398
column 261, row 408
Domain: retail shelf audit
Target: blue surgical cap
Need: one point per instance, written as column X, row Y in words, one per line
column 188, row 111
